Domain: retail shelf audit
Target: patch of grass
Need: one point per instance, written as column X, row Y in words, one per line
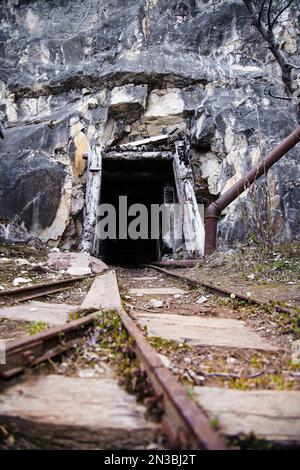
column 268, row 262
column 120, row 348
column 80, row 314
column 75, row 316
column 36, row 327
column 215, row 424
column 293, row 366
column 108, row 342
column 296, row 326
column 279, row 382
column 218, row 365
column 189, row 390
column 256, row 362
column 289, row 323
column 249, row 442
column 232, row 302
column 167, row 345
column 267, row 381
column 258, row 268
column 226, row 301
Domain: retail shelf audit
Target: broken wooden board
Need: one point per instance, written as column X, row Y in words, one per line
column 149, row 140
column 92, row 196
column 202, row 331
column 76, row 413
column 156, row 291
column 52, row 314
column 104, row 293
column 137, row 155
column 145, row 278
column 269, row 414
column 193, row 225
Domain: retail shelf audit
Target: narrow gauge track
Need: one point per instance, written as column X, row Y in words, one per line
column 219, row 290
column 210, row 347
column 34, row 350
column 184, row 424
column 22, row 294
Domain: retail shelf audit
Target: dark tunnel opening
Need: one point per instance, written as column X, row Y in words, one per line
column 143, row 182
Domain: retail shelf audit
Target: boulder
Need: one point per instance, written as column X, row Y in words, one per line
column 76, row 264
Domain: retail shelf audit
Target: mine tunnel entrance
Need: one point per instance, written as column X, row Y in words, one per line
column 145, row 181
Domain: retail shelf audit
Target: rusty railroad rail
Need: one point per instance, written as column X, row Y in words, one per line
column 21, row 294
column 218, row 289
column 34, row 350
column 184, row 423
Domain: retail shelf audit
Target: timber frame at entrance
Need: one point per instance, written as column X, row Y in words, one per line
column 188, row 244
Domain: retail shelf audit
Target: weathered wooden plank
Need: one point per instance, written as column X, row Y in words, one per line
column 52, row 314
column 76, row 413
column 104, row 293
column 203, row 331
column 269, row 414
column 149, row 140
column 137, row 155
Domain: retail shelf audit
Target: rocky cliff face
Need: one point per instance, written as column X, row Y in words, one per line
column 79, row 76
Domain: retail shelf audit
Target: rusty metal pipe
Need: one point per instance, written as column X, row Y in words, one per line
column 214, row 210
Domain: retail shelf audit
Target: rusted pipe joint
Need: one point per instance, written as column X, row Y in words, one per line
column 296, row 134
column 213, row 211
column 212, row 215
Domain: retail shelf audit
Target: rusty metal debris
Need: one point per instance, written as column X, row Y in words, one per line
column 21, row 294
column 40, row 347
column 214, row 210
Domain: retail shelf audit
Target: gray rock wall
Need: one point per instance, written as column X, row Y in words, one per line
column 76, row 76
